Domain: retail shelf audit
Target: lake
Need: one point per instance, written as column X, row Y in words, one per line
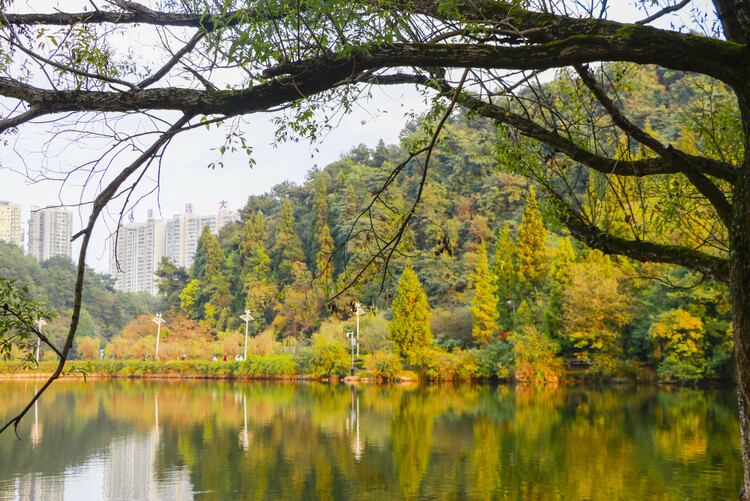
column 176, row 440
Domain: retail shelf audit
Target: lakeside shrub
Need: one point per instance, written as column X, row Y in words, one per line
column 436, row 364
column 495, row 360
column 328, row 358
column 383, row 364
column 535, row 356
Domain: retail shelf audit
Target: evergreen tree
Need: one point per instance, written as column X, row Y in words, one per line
column 561, row 272
column 323, row 242
column 170, row 280
column 532, row 249
column 208, row 257
column 255, row 260
column 504, row 271
column 484, row 305
column 288, row 247
column 410, row 327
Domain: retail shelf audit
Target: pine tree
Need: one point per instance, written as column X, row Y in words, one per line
column 255, row 260
column 484, row 305
column 208, row 257
column 504, row 271
column 410, row 327
column 323, row 242
column 288, row 247
column 533, row 262
column 561, row 272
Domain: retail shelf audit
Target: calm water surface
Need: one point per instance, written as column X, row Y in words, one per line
column 139, row 440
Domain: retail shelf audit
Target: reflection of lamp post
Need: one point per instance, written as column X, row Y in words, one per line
column 358, row 311
column 246, row 317
column 357, row 445
column 244, row 435
column 39, row 324
column 158, row 320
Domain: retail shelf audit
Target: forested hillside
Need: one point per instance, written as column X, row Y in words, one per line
column 547, row 292
column 105, row 311
column 521, row 297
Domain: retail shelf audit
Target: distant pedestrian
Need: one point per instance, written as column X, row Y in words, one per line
column 225, row 358
column 214, row 359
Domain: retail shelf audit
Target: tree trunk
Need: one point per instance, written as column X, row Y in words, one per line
column 740, row 293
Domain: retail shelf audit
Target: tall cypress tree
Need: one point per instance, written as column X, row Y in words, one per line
column 288, row 247
column 208, row 257
column 504, row 270
column 410, row 327
column 484, row 304
column 255, row 258
column 561, row 272
column 533, row 262
column 323, row 242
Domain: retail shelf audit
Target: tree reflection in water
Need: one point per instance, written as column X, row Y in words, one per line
column 182, row 440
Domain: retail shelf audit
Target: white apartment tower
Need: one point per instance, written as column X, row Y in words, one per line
column 137, row 250
column 49, row 233
column 10, row 224
column 139, row 247
column 183, row 232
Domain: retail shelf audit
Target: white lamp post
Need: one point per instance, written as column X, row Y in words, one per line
column 358, row 311
column 39, row 324
column 158, row 320
column 350, row 335
column 246, row 317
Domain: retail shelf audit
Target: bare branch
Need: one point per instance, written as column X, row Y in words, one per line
column 101, row 201
column 664, row 12
column 173, row 61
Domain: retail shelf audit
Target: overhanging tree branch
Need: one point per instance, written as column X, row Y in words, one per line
column 594, row 237
column 98, row 206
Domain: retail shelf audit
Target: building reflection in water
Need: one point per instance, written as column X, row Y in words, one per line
column 125, row 470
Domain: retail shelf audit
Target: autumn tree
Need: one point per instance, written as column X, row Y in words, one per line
column 483, row 56
column 682, row 343
column 506, row 277
column 323, row 242
column 410, row 327
column 532, row 248
column 288, row 247
column 561, row 271
column 484, row 303
column 594, row 313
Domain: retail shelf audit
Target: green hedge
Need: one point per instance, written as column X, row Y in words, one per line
column 256, row 367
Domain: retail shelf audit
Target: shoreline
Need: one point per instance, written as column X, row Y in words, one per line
column 282, row 369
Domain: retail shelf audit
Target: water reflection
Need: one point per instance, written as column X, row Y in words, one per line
column 194, row 440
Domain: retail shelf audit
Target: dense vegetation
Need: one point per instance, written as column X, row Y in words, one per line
column 481, row 275
column 104, row 314
column 485, row 288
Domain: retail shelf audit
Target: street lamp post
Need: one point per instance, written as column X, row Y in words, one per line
column 246, row 317
column 350, row 335
column 39, row 324
column 358, row 311
column 158, row 320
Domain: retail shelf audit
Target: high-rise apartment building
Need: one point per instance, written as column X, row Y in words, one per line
column 140, row 247
column 49, row 233
column 135, row 255
column 183, row 232
column 10, row 224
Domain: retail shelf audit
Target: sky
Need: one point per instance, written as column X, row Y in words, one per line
column 185, row 177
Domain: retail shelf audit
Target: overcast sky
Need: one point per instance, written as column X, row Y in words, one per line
column 185, row 177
